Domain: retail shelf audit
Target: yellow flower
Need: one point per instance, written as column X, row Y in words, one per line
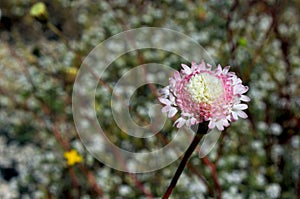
column 72, row 157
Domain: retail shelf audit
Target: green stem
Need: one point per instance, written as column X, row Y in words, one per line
column 59, row 34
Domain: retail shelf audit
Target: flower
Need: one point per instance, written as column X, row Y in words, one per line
column 72, row 157
column 201, row 93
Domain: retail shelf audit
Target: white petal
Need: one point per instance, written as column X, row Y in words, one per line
column 208, row 66
column 225, row 122
column 165, row 91
column 165, row 109
column 240, row 106
column 242, row 114
column 177, row 76
column 188, row 123
column 239, row 89
column 235, row 80
column 220, row 126
column 246, row 88
column 186, row 114
column 172, row 98
column 193, row 121
column 245, row 98
column 218, row 70
column 202, row 65
column 229, row 118
column 211, row 124
column 234, row 115
column 165, row 101
column 187, row 70
column 226, row 69
column 172, row 112
column 180, row 122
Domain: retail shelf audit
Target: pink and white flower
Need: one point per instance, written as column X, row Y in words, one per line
column 201, row 93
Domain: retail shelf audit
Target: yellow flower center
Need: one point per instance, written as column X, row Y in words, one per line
column 205, row 88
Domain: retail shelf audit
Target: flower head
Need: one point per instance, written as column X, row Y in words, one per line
column 201, row 93
column 72, row 157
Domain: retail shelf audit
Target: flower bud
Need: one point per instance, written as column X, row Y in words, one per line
column 39, row 12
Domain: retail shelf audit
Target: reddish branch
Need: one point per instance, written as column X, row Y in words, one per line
column 213, row 170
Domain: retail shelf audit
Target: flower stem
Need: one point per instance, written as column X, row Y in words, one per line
column 59, row 34
column 202, row 130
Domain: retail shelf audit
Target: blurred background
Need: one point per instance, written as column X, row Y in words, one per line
column 41, row 49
